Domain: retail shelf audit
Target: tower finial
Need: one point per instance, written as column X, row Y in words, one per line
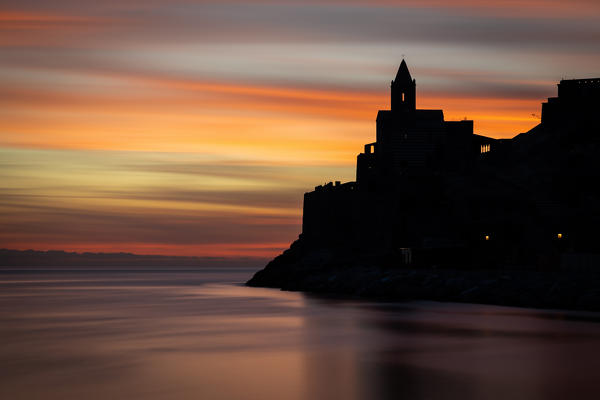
column 403, row 90
column 403, row 75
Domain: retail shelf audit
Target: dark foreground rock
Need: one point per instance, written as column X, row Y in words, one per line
column 334, row 271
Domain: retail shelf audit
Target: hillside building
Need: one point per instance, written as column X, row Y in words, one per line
column 430, row 191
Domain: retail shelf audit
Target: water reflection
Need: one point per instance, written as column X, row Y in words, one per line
column 185, row 334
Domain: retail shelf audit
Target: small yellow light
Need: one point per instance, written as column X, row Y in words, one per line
column 559, row 236
column 487, row 237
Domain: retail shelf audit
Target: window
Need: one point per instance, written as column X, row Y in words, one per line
column 403, row 97
column 485, row 148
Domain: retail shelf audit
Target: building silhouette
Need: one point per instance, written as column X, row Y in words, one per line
column 431, row 192
column 409, row 139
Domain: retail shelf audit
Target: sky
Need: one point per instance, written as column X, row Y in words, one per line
column 187, row 127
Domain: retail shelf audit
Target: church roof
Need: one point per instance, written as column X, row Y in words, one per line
column 431, row 115
column 403, row 76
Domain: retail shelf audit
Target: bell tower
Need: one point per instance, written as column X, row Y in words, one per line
column 404, row 98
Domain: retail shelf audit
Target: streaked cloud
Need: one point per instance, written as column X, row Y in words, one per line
column 109, row 200
column 194, row 127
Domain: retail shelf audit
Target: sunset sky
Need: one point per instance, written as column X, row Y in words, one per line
column 187, row 127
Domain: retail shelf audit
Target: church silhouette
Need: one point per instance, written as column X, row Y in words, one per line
column 431, row 193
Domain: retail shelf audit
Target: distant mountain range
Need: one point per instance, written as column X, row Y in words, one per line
column 59, row 258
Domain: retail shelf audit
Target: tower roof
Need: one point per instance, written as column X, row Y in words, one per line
column 403, row 76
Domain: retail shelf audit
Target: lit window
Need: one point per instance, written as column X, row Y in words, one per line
column 487, row 237
column 559, row 236
column 402, row 96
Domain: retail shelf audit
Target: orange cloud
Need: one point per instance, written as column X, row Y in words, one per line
column 27, row 17
column 23, row 28
column 153, row 113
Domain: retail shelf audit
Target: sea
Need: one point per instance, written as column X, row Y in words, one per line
column 180, row 333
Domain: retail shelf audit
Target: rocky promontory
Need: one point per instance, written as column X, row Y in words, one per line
column 438, row 212
column 343, row 272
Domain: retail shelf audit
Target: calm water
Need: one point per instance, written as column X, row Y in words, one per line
column 202, row 335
